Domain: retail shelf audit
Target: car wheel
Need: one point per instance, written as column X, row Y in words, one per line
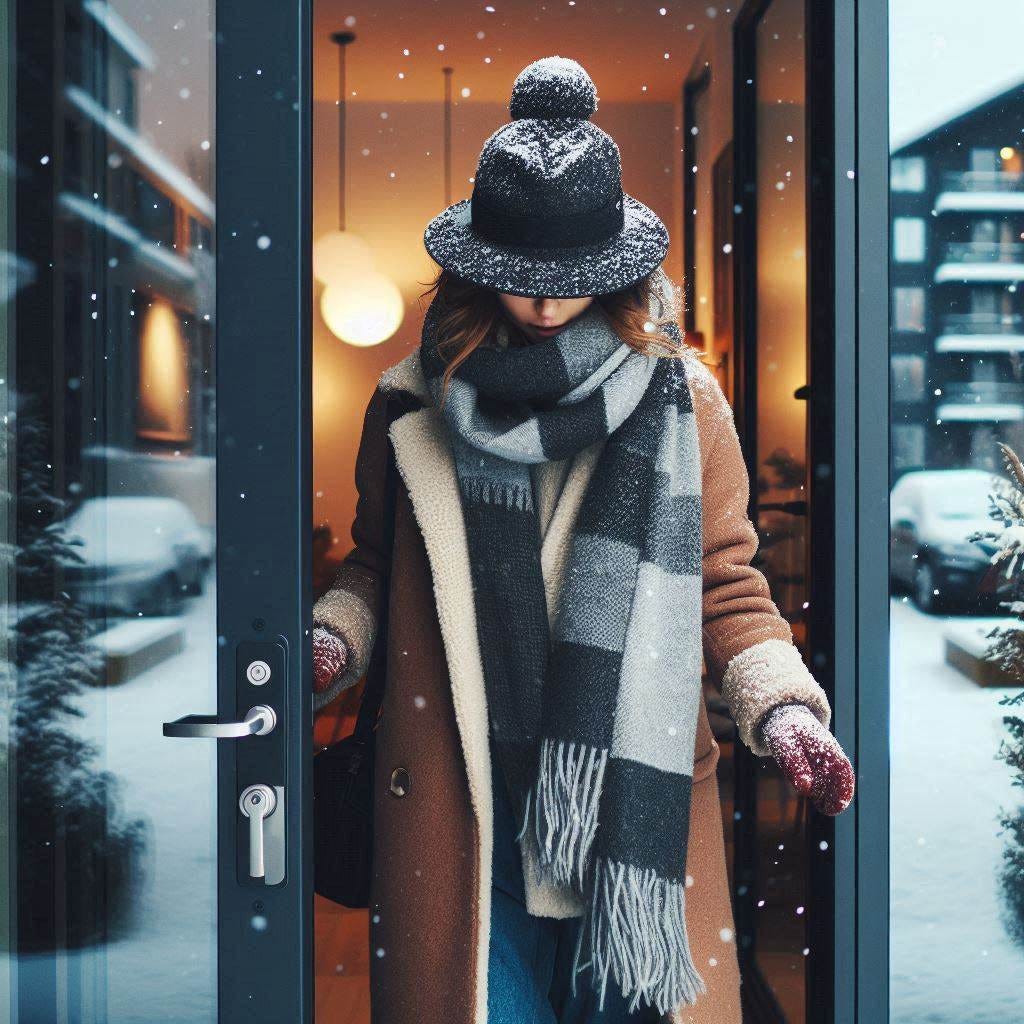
column 924, row 588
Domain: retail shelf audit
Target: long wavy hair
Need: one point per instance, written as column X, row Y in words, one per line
column 468, row 313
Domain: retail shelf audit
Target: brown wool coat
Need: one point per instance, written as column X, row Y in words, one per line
column 432, row 847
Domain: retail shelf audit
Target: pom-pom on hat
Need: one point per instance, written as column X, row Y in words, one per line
column 548, row 216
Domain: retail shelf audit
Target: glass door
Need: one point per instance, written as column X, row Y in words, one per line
column 783, row 209
column 153, row 733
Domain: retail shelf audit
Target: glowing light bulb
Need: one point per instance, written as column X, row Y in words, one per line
column 363, row 309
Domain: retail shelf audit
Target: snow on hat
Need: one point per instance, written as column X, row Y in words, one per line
column 548, row 216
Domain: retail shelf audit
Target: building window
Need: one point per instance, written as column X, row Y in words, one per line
column 984, row 158
column 908, row 239
column 908, row 309
column 154, row 212
column 200, row 235
column 907, row 373
column 163, row 409
column 907, row 445
column 984, row 299
column 906, row 174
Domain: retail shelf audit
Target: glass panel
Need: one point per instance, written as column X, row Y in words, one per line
column 957, row 824
column 781, row 472
column 107, row 829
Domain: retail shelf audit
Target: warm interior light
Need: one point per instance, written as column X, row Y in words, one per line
column 364, row 309
column 163, row 401
column 1007, row 152
column 337, row 254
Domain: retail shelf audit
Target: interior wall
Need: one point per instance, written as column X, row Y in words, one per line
column 395, row 185
column 715, row 52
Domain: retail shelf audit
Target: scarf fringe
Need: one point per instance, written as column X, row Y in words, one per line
column 564, row 808
column 637, row 925
column 496, row 492
column 637, row 919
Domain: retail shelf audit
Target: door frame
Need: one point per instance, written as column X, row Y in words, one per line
column 264, row 304
column 861, row 418
column 846, row 50
column 263, row 131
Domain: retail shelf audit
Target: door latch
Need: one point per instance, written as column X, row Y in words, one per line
column 262, row 806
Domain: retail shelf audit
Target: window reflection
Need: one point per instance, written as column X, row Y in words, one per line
column 107, row 448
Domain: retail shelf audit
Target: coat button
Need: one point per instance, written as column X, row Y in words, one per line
column 400, row 782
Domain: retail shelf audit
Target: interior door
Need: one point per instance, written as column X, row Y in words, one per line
column 154, row 725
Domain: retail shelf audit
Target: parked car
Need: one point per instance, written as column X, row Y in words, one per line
column 141, row 554
column 931, row 513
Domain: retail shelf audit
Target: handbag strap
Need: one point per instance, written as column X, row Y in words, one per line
column 373, row 694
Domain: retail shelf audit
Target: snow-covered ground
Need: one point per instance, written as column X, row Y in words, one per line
column 166, row 971
column 952, row 961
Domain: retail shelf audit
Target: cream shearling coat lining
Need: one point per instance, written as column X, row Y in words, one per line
column 766, row 674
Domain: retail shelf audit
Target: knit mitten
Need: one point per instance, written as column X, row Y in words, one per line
column 809, row 756
column 330, row 655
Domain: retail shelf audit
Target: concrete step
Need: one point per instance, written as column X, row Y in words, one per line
column 966, row 646
column 135, row 645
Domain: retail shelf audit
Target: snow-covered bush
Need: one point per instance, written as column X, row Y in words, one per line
column 1006, row 507
column 77, row 859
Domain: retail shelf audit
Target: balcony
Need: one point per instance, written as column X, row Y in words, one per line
column 981, row 401
column 981, row 332
column 981, row 261
column 988, row 191
column 985, row 252
column 983, row 181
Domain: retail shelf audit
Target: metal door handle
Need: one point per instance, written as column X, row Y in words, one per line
column 257, row 803
column 258, row 721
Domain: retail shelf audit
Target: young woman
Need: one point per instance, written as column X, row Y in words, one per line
column 570, row 546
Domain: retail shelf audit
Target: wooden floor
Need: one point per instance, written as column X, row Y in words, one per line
column 340, row 936
column 342, row 959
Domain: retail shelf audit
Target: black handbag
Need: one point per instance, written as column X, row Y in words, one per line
column 343, row 772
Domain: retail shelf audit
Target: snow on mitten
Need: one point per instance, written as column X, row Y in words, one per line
column 330, row 655
column 809, row 756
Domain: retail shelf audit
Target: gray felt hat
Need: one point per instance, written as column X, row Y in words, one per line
column 548, row 216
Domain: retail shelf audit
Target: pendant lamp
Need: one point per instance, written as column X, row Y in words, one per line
column 359, row 305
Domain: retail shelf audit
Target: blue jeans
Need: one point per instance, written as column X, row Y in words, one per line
column 530, row 959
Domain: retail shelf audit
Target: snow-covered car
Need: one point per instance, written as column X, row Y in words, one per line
column 140, row 554
column 931, row 514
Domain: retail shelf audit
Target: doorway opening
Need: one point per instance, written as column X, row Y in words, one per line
column 709, row 107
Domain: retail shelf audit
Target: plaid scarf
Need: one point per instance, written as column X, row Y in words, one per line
column 594, row 726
